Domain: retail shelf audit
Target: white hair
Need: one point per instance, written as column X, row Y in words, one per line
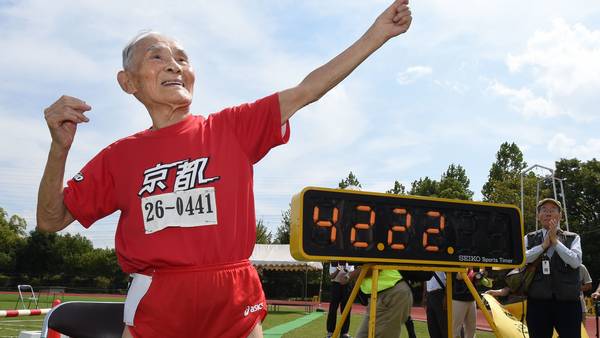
column 128, row 50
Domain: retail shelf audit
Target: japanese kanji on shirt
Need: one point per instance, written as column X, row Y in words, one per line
column 185, row 192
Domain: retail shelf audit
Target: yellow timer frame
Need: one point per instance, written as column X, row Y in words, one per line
column 356, row 226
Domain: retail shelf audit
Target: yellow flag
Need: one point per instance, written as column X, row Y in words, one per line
column 508, row 325
column 507, row 318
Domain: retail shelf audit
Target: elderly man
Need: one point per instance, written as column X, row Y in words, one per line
column 553, row 296
column 184, row 186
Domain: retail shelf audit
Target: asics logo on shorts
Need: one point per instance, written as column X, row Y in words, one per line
column 78, row 177
column 253, row 308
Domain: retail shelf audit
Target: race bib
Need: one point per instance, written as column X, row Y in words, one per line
column 189, row 208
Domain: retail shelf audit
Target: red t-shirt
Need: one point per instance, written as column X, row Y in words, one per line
column 184, row 191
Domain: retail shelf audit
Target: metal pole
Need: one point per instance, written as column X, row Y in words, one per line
column 373, row 302
column 321, row 283
column 554, row 185
column 522, row 188
column 449, row 310
column 305, row 282
column 522, row 206
column 562, row 191
column 537, row 198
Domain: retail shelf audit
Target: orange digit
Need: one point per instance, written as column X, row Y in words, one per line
column 362, row 226
column 327, row 223
column 433, row 231
column 399, row 228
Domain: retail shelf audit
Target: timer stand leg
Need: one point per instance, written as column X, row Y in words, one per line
column 363, row 272
column 449, row 302
column 373, row 303
column 480, row 304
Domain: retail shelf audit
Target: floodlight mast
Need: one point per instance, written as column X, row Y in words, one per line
column 564, row 201
column 554, row 179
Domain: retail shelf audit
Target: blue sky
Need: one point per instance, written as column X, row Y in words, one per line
column 467, row 76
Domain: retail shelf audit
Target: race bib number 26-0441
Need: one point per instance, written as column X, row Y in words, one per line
column 189, row 208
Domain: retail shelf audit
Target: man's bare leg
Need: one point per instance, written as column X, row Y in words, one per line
column 127, row 334
column 257, row 332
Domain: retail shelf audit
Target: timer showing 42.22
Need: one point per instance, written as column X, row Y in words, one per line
column 334, row 224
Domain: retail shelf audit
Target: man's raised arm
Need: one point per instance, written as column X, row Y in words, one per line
column 394, row 21
column 62, row 118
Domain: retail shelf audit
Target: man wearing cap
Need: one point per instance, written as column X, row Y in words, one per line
column 553, row 296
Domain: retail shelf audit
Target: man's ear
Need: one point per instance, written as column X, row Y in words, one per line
column 125, row 81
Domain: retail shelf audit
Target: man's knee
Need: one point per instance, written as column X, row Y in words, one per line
column 256, row 331
column 126, row 333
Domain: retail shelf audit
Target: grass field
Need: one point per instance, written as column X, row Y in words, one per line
column 316, row 328
column 10, row 327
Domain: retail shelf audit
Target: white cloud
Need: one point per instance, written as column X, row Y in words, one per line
column 567, row 147
column 457, row 87
column 412, row 74
column 563, row 62
column 564, row 59
column 526, row 102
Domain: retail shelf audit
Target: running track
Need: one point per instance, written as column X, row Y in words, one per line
column 418, row 313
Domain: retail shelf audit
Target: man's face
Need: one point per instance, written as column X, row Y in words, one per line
column 161, row 72
column 548, row 214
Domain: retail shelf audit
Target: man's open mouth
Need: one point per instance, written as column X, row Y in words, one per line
column 169, row 83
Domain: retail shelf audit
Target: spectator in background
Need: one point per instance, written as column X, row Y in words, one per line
column 437, row 319
column 339, row 273
column 464, row 310
column 410, row 328
column 586, row 285
column 596, row 294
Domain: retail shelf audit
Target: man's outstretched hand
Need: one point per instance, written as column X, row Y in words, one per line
column 394, row 21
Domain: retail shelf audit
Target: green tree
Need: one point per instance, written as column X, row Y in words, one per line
column 18, row 225
column 504, row 183
column 349, row 181
column 582, row 192
column 15, row 223
column 263, row 235
column 398, row 189
column 507, row 168
column 39, row 257
column 282, row 235
column 455, row 184
column 582, row 197
column 10, row 245
column 71, row 249
column 424, row 187
column 11, row 240
column 99, row 268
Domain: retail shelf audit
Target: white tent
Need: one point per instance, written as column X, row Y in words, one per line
column 278, row 257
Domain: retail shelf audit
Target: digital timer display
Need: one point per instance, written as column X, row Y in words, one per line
column 335, row 224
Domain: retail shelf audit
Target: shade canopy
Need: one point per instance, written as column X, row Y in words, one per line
column 278, row 257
